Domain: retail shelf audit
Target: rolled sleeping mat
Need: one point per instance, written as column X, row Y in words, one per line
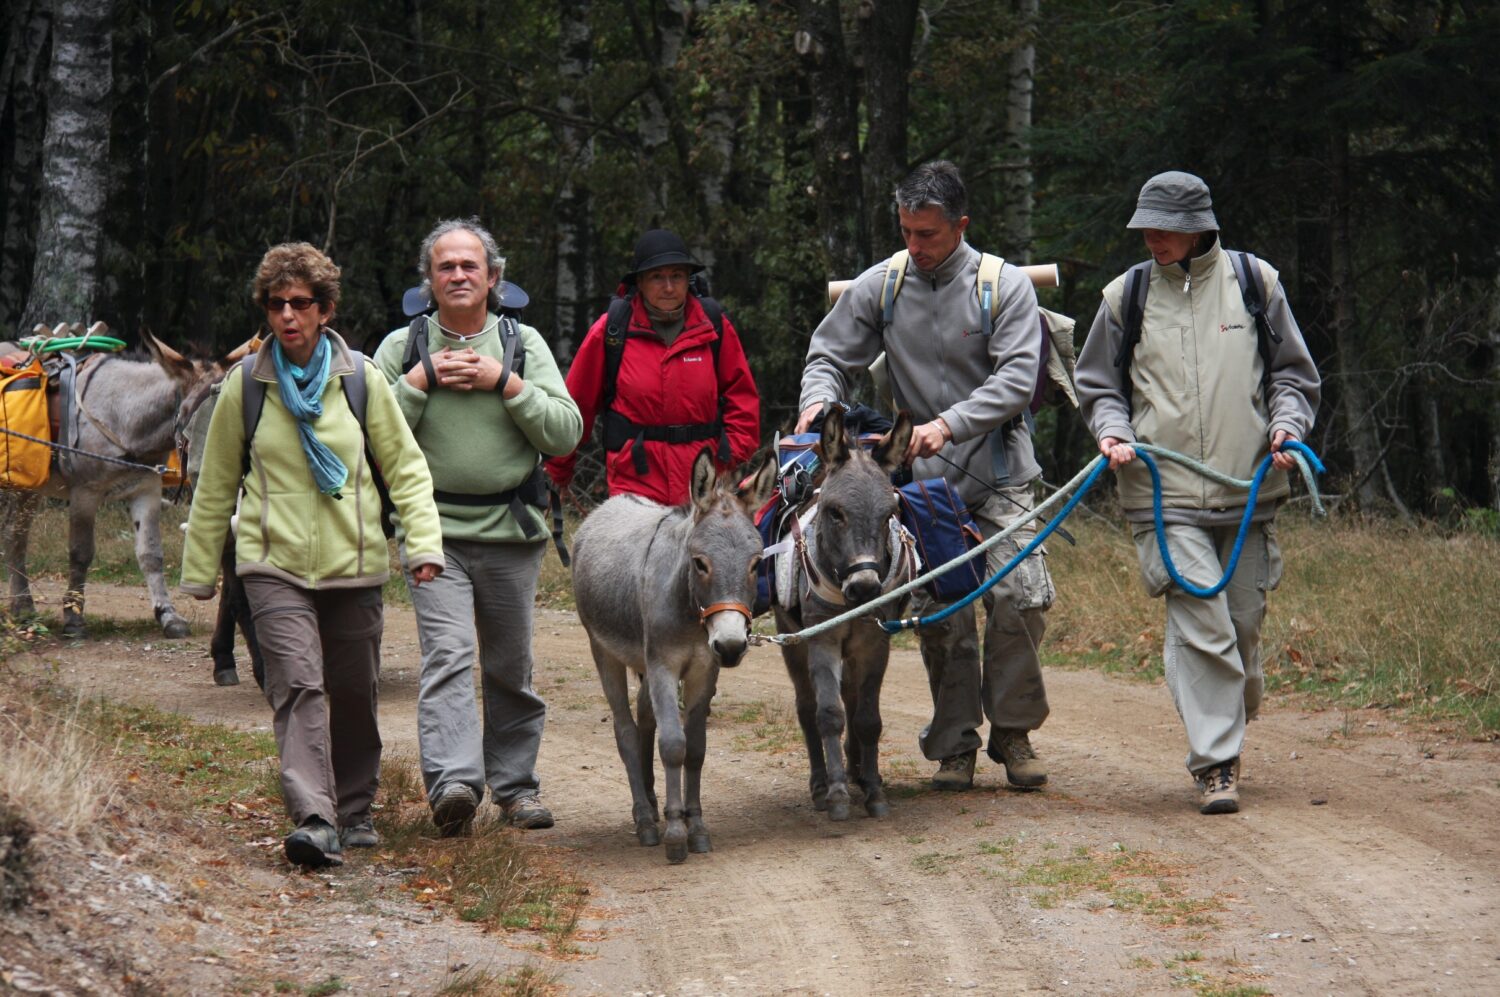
column 1041, row 274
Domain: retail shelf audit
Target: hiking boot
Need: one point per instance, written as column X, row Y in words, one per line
column 1219, row 788
column 526, row 811
column 956, row 772
column 1012, row 748
column 453, row 811
column 359, row 833
column 313, row 845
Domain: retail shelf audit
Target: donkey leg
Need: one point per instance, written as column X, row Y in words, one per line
column 661, row 683
column 699, row 691
column 614, row 677
column 826, row 666
column 645, row 722
column 865, row 727
column 795, row 658
column 145, row 514
column 83, row 507
column 18, row 508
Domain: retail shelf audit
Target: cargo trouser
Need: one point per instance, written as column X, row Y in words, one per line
column 485, row 593
column 1212, row 648
column 322, row 656
column 1009, row 689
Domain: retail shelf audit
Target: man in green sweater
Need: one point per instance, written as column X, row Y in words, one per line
column 483, row 428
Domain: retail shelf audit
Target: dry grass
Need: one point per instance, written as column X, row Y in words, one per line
column 1368, row 614
column 56, row 773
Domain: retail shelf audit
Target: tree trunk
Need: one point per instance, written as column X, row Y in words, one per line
column 22, row 125
column 656, row 128
column 123, row 289
column 1015, row 144
column 75, row 164
column 838, row 181
column 1494, row 338
column 575, row 156
column 886, row 30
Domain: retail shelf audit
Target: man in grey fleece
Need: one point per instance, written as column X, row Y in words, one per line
column 1196, row 382
column 969, row 393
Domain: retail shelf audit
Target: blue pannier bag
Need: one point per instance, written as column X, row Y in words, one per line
column 937, row 518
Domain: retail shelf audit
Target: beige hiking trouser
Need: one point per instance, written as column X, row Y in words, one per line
column 322, row 651
column 1212, row 647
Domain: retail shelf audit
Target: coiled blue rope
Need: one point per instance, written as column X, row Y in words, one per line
column 1306, row 459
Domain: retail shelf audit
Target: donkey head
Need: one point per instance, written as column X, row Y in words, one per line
column 198, row 398
column 723, row 550
column 855, row 506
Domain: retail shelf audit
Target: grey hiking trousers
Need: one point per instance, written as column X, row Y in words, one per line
column 482, row 602
column 322, row 653
column 1212, row 647
column 1008, row 689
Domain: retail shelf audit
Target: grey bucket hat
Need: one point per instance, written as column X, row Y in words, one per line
column 1174, row 202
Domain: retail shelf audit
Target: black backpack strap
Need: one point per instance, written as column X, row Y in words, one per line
column 252, row 400
column 357, row 393
column 1133, row 313
column 555, row 507
column 1253, row 291
column 418, row 351
column 616, row 322
column 510, row 339
column 715, row 313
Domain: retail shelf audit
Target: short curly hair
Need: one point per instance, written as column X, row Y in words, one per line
column 296, row 263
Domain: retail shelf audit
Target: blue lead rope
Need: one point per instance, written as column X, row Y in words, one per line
column 1305, row 457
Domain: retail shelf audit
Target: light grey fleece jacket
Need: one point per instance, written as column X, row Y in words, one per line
column 1196, row 387
column 941, row 364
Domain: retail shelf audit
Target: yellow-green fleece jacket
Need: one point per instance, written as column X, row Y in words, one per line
column 287, row 528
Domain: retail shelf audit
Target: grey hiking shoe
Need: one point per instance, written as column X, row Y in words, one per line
column 526, row 811
column 955, row 773
column 359, row 833
column 1012, row 748
column 313, row 845
column 453, row 810
column 1219, row 788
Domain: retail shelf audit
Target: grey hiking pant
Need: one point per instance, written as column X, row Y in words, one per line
column 1212, row 647
column 1008, row 689
column 483, row 597
column 322, row 656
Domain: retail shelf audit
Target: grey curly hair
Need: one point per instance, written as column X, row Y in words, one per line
column 492, row 257
column 937, row 184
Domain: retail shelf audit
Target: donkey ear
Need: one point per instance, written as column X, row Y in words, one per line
column 240, row 352
column 754, row 492
column 174, row 363
column 890, row 452
column 833, row 445
column 702, row 482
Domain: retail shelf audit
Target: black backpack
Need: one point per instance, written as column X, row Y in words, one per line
column 617, row 429
column 1133, row 304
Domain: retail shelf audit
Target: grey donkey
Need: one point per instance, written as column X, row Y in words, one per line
column 129, row 409
column 666, row 593
column 847, row 555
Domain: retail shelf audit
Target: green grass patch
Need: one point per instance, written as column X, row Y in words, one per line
column 1121, row 878
column 770, row 727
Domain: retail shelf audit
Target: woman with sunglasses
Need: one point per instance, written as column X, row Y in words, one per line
column 310, row 548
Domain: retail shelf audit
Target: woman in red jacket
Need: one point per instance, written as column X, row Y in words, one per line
column 665, row 371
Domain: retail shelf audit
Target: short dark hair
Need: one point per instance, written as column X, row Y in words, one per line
column 937, row 184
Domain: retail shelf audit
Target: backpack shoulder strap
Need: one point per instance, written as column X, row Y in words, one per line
column 357, row 391
column 895, row 275
column 715, row 313
column 987, row 289
column 1132, row 314
column 1253, row 292
column 252, row 400
column 418, row 350
column 617, row 320
column 513, row 351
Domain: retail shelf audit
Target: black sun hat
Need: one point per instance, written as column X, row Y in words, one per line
column 661, row 248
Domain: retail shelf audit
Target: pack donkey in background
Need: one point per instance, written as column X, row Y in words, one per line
column 848, row 552
column 666, row 593
column 127, row 408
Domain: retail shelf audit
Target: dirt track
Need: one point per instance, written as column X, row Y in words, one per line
column 1365, row 861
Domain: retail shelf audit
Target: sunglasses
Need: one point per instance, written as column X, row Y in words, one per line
column 298, row 304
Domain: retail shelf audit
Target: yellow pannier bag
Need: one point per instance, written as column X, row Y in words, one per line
column 174, row 475
column 23, row 409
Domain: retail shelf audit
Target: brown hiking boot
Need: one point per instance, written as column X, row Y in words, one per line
column 453, row 810
column 956, row 773
column 1219, row 788
column 1012, row 748
column 527, row 812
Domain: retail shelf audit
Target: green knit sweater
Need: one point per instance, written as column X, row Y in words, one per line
column 477, row 442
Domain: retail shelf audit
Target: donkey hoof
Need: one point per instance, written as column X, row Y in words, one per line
column 838, row 809
column 699, row 844
column 226, row 676
column 74, row 630
column 877, row 807
column 677, row 841
column 677, row 853
column 647, row 834
column 176, row 628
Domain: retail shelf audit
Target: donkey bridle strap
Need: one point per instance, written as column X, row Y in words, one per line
column 724, row 607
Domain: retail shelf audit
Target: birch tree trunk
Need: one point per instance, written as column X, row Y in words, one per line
column 75, row 164
column 575, row 156
column 22, row 76
column 660, row 48
column 837, row 176
column 1015, row 145
column 886, row 30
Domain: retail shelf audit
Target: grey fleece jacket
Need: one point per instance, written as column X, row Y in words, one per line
column 1196, row 387
column 941, row 365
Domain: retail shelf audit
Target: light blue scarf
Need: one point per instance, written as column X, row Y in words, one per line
column 302, row 394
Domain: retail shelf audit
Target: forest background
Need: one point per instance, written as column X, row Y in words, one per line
column 150, row 152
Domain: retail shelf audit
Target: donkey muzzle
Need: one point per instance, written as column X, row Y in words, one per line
column 727, row 638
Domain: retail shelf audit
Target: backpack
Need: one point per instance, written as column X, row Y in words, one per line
column 23, row 409
column 937, row 518
column 617, row 429
column 1058, row 359
column 1133, row 305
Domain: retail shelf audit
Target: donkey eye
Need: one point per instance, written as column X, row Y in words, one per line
column 700, row 565
column 836, row 515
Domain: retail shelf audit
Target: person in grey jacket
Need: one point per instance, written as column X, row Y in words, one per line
column 968, row 392
column 1198, row 385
